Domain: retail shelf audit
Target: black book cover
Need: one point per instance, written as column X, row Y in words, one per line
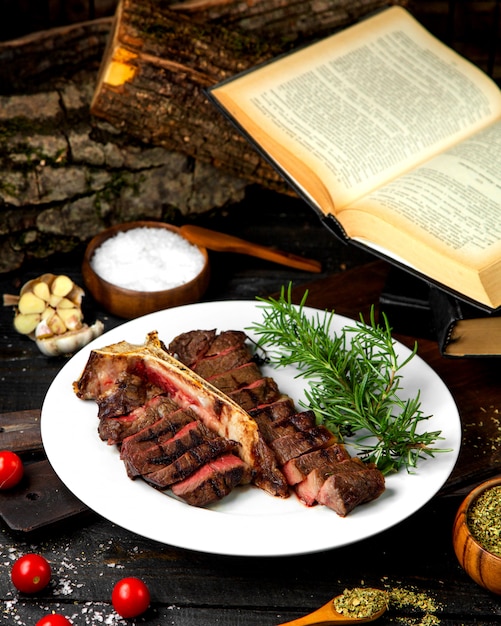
column 462, row 329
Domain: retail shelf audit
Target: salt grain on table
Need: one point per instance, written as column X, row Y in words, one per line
column 147, row 259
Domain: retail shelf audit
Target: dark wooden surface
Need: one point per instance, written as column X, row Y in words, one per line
column 88, row 554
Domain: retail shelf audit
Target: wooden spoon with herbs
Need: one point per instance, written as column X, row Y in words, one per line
column 354, row 606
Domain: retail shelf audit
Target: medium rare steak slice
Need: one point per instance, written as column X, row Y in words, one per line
column 116, row 429
column 305, row 420
column 307, row 490
column 166, row 426
column 237, row 378
column 298, row 468
column 273, row 411
column 194, row 345
column 148, row 456
column 284, row 426
column 191, row 346
column 190, row 462
column 212, row 482
column 343, row 491
column 217, row 411
column 211, row 366
column 262, row 391
column 291, row 446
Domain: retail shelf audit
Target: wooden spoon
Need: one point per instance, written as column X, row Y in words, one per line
column 220, row 242
column 327, row 614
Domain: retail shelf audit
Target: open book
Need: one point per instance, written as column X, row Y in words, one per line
column 392, row 137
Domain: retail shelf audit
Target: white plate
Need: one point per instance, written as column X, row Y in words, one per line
column 249, row 522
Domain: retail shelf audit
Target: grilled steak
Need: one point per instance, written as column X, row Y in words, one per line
column 189, row 462
column 343, row 491
column 263, row 391
column 192, row 346
column 273, row 411
column 298, row 468
column 202, row 431
column 236, row 378
column 291, row 446
column 309, row 454
column 115, row 429
column 148, row 456
column 152, row 363
column 212, row 482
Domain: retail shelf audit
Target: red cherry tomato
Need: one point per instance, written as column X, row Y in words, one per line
column 31, row 573
column 130, row 597
column 54, row 619
column 11, row 469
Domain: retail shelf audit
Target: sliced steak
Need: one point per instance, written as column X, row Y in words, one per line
column 116, row 429
column 298, row 468
column 345, row 490
column 210, row 366
column 148, row 456
column 237, row 378
column 262, row 391
column 225, row 341
column 290, row 446
column 152, row 362
column 129, row 393
column 166, row 426
column 305, row 420
column 212, row 482
column 307, row 490
column 189, row 462
column 191, row 346
column 273, row 411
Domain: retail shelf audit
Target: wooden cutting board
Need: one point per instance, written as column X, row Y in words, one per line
column 41, row 498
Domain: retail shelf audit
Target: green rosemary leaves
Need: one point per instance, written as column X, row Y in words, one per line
column 354, row 380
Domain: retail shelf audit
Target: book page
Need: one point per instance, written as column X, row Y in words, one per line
column 453, row 200
column 362, row 106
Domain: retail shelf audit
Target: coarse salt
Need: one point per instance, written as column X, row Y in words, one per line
column 147, row 259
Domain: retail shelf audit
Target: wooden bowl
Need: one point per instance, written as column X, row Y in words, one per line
column 480, row 564
column 128, row 303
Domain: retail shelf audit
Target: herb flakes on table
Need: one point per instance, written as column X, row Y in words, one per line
column 354, row 380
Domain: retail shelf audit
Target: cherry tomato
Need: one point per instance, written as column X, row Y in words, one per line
column 31, row 573
column 54, row 619
column 130, row 597
column 11, row 469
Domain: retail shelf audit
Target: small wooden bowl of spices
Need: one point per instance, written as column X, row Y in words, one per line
column 477, row 534
column 137, row 268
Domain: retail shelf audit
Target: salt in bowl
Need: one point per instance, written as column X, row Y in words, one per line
column 159, row 267
column 479, row 563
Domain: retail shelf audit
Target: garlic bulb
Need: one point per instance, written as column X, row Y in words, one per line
column 48, row 310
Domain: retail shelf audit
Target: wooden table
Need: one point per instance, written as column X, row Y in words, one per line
column 89, row 554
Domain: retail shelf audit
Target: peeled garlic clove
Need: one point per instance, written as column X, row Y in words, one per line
column 71, row 341
column 25, row 324
column 30, row 303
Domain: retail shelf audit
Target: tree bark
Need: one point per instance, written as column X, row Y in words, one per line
column 161, row 57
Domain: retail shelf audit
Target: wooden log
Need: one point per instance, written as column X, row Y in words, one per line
column 160, row 58
column 61, row 184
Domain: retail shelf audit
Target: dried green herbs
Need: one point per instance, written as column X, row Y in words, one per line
column 360, row 602
column 363, row 602
column 406, row 598
column 484, row 520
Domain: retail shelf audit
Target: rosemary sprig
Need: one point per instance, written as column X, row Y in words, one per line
column 354, row 379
